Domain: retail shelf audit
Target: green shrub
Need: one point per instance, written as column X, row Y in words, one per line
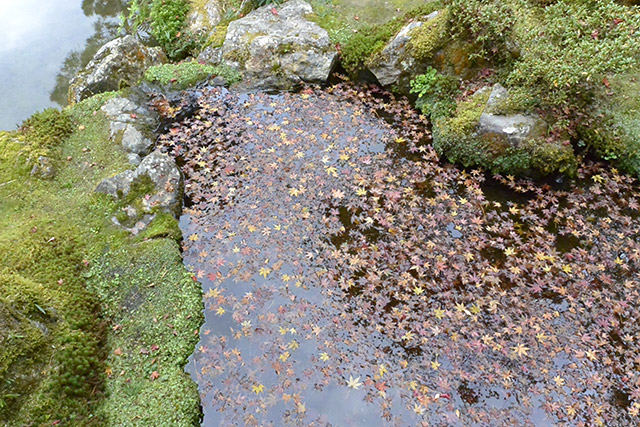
column 166, row 21
column 569, row 46
column 486, row 23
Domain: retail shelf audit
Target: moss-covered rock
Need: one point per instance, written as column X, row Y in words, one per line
column 475, row 135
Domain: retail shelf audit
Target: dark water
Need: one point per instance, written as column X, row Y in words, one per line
column 44, row 43
column 353, row 279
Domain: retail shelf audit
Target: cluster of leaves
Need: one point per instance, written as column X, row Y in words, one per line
column 345, row 266
column 165, row 20
column 487, row 23
column 436, row 92
column 568, row 47
column 186, row 74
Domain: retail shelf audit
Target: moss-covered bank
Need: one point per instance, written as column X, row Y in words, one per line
column 79, row 298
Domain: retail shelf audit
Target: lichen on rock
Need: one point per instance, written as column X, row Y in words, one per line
column 277, row 47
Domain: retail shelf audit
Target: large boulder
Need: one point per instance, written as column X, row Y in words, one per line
column 155, row 185
column 277, row 47
column 121, row 62
column 396, row 59
column 482, row 132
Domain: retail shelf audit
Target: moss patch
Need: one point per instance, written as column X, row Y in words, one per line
column 155, row 308
column 185, row 74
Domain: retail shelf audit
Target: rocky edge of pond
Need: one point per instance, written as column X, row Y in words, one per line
column 276, row 47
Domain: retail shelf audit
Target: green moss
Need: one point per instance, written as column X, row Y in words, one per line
column 55, row 316
column 163, row 226
column 44, row 131
column 186, row 74
column 217, row 35
column 613, row 128
column 429, row 37
column 145, row 288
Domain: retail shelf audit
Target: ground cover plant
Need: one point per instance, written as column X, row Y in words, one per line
column 350, row 276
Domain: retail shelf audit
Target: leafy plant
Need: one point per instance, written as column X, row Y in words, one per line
column 165, row 21
column 435, row 92
column 569, row 46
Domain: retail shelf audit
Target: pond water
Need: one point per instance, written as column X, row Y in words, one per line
column 44, row 43
column 352, row 278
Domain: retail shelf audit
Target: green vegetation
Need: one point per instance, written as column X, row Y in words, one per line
column 57, row 305
column 44, row 131
column 568, row 47
column 166, row 21
column 186, row 74
column 613, row 128
column 436, row 92
column 361, row 39
column 456, row 137
column 155, row 309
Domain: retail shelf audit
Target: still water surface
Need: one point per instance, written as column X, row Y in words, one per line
column 44, row 44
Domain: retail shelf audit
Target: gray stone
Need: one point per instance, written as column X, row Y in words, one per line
column 43, row 168
column 515, row 128
column 394, row 61
column 134, row 142
column 167, row 182
column 280, row 49
column 134, row 159
column 210, row 56
column 204, row 17
column 120, row 62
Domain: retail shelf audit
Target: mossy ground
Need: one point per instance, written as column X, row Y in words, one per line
column 613, row 131
column 58, row 296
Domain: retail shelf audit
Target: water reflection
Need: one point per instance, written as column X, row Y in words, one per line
column 44, row 44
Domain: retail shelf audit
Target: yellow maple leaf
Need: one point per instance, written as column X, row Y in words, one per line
column 264, row 272
column 519, row 350
column 257, row 389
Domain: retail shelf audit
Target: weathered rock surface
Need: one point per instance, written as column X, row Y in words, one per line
column 210, row 56
column 121, row 62
column 514, row 128
column 279, row 48
column 395, row 61
column 129, row 124
column 205, row 15
column 134, row 142
column 167, row 182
